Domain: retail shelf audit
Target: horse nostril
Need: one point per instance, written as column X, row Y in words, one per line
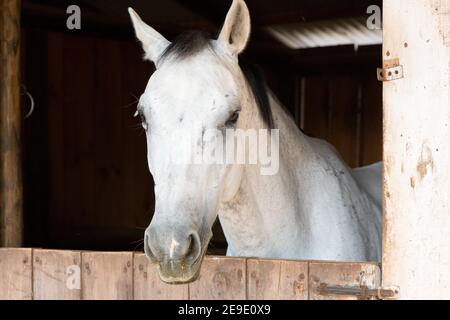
column 194, row 248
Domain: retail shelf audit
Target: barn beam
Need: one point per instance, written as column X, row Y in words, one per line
column 10, row 126
column 95, row 21
column 416, row 246
column 265, row 13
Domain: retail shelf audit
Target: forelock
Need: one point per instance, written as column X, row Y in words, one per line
column 187, row 44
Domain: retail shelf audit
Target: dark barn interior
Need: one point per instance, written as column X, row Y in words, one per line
column 86, row 182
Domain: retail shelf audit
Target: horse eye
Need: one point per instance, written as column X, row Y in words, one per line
column 144, row 125
column 233, row 119
column 143, row 120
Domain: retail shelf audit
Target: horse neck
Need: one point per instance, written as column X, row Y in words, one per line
column 253, row 216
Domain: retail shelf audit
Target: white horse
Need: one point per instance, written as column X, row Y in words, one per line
column 314, row 208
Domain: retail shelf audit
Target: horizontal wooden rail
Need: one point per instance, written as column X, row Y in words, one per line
column 72, row 275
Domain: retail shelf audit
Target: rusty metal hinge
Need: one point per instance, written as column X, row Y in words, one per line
column 390, row 74
column 362, row 292
column 392, row 70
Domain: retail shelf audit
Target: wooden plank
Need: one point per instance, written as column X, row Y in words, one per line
column 330, row 112
column 277, row 280
column 16, row 274
column 56, row 275
column 317, row 106
column 372, row 121
column 140, row 205
column 341, row 274
column 220, row 278
column 342, row 130
column 416, row 247
column 79, row 85
column 10, row 126
column 93, row 137
column 148, row 285
column 35, row 135
column 107, row 276
column 56, row 141
column 107, row 138
column 266, row 13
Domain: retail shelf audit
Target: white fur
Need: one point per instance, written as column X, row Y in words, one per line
column 236, row 29
column 174, row 244
column 314, row 208
column 153, row 42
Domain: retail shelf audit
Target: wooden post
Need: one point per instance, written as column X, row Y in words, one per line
column 10, row 126
column 416, row 246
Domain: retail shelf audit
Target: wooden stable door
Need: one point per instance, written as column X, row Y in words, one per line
column 73, row 275
column 416, row 250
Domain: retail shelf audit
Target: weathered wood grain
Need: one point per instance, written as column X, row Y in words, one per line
column 371, row 121
column 220, row 278
column 277, row 280
column 341, row 274
column 107, row 276
column 343, row 129
column 79, row 166
column 16, row 274
column 57, row 186
column 148, row 286
column 416, row 246
column 56, row 275
column 93, row 139
column 50, row 275
column 10, row 126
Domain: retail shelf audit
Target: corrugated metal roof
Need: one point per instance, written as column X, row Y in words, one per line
column 351, row 31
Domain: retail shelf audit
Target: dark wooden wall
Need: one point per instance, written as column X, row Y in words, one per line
column 11, row 183
column 87, row 184
column 86, row 166
column 346, row 110
column 333, row 93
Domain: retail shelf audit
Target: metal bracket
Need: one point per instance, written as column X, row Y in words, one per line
column 362, row 292
column 392, row 70
column 390, row 74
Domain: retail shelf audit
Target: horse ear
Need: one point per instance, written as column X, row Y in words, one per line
column 152, row 41
column 236, row 29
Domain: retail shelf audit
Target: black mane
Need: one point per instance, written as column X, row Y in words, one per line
column 255, row 79
column 187, row 44
column 192, row 42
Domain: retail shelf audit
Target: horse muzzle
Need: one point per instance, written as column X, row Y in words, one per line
column 178, row 272
column 178, row 260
